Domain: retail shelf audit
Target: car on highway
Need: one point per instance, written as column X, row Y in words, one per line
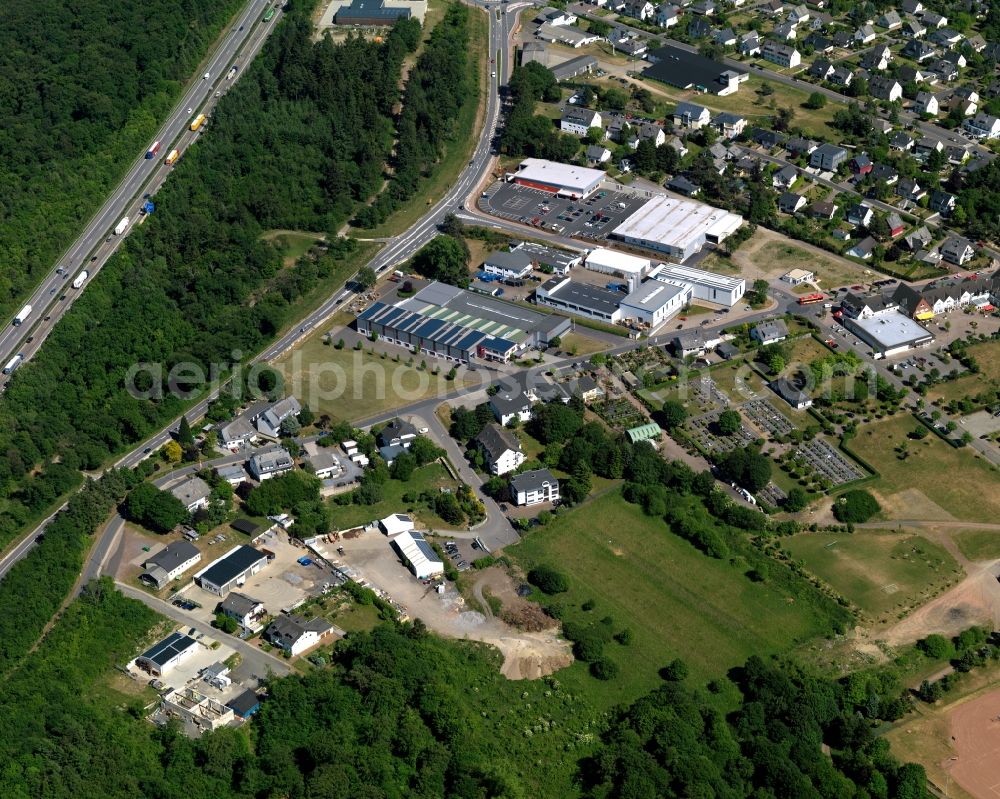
column 205, row 76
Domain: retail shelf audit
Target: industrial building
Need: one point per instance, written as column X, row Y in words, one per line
column 457, row 325
column 163, row 656
column 677, row 228
column 656, row 301
column 419, row 556
column 565, row 180
column 593, row 302
column 231, row 570
column 371, row 13
column 561, row 261
column 706, row 286
column 170, row 562
column 619, row 264
column 687, row 70
column 889, row 333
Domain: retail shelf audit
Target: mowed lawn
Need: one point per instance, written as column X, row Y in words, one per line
column 677, row 601
column 978, row 544
column 431, row 477
column 954, row 479
column 881, row 572
column 354, row 384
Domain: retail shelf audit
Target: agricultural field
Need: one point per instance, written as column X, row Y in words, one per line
column 431, row 477
column 935, row 481
column 677, row 601
column 357, row 384
column 884, row 573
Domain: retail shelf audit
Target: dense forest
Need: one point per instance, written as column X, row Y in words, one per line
column 298, row 143
column 83, row 88
column 400, row 713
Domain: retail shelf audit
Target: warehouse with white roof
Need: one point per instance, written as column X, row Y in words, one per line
column 566, row 180
column 677, row 228
column 419, row 556
column 655, row 301
column 620, row 264
column 707, row 286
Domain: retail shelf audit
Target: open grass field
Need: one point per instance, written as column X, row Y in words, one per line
column 987, row 355
column 978, row 544
column 292, row 244
column 458, row 150
column 805, row 350
column 677, row 601
column 957, row 482
column 831, row 270
column 427, row 478
column 882, row 572
column 352, row 385
column 577, row 343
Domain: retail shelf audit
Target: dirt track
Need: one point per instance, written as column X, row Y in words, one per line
column 975, row 737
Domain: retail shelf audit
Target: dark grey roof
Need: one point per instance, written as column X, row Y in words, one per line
column 245, row 526
column 229, row 567
column 396, row 429
column 238, row 604
column 244, row 703
column 168, row 648
column 497, row 440
column 286, row 630
column 771, row 329
column 510, row 402
column 789, row 393
column 173, row 555
column 514, row 261
column 585, row 295
column 685, row 69
column 533, row 480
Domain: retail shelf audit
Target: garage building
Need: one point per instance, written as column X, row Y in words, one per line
column 231, row 570
column 566, row 180
column 678, row 228
column 421, row 558
column 889, row 333
column 706, row 286
column 655, row 301
column 162, row 657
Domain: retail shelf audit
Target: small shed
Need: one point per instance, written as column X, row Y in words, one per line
column 644, row 432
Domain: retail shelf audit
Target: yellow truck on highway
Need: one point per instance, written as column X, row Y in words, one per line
column 198, row 121
column 171, row 157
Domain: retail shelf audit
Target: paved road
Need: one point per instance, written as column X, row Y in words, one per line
column 91, row 250
column 254, row 659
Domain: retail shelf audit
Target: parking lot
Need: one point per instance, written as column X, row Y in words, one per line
column 593, row 218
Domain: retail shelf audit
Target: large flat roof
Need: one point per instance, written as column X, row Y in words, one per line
column 685, row 69
column 891, row 330
column 540, row 170
column 677, row 223
column 652, row 294
column 619, row 261
column 591, row 297
column 171, row 646
column 231, row 565
column 687, row 274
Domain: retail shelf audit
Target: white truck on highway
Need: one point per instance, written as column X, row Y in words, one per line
column 23, row 314
column 80, row 279
column 122, row 226
column 13, row 363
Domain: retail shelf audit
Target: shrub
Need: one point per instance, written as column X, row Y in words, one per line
column 604, row 669
column 548, row 579
column 855, row 507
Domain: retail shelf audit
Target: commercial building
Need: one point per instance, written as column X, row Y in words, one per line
column 889, row 333
column 163, row 656
column 560, row 261
column 655, row 301
column 272, row 462
column 706, row 286
column 419, row 556
column 374, row 13
column 570, row 69
column 396, row 523
column 232, row 570
column 796, row 277
column 534, row 487
column 644, row 432
column 515, row 265
column 583, row 299
column 686, row 70
column 565, row 34
column 170, row 562
column 566, row 180
column 193, row 493
column 245, row 704
column 295, row 634
column 447, row 322
column 940, row 296
column 619, row 264
column 795, row 397
column 678, row 228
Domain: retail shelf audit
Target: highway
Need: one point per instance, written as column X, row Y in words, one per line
column 54, row 295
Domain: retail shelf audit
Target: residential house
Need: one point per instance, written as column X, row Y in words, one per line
column 976, row 42
column 781, row 54
column 883, row 173
column 793, row 396
column 295, row 634
column 841, row 76
column 784, row 177
column 703, row 8
column 797, row 146
column 859, row 214
column 918, row 51
column 501, row 449
column 933, row 20
column 942, row 202
column 819, row 43
column 725, row 37
column 597, row 154
column 861, row 164
column 682, row 185
column 169, row 563
column 945, row 70
column 823, row 209
column 890, row 20
column 667, row 15
column 843, row 39
column 235, row 434
column 913, row 29
column 957, row 155
column 957, row 250
column 956, row 58
column 508, row 405
column 272, row 462
column 246, row 611
column 945, row 37
column 877, row 58
column 193, row 493
column 769, row 332
column 909, row 189
column 864, row 34
column 983, row 126
column 925, row 103
column 783, row 32
column 798, row 14
column 397, row 433
column 689, row 115
column 699, row 28
column 269, row 422
column 895, row 223
column 863, row 249
column 750, row 43
column 790, row 203
column 931, row 299
column 917, row 240
column 640, row 9
column 867, row 306
column 908, row 74
column 827, row 157
column 885, row 89
column 926, row 145
column 534, row 487
column 912, row 7
column 728, row 125
column 768, row 139
column 821, row 69
column 233, row 473
column 579, row 121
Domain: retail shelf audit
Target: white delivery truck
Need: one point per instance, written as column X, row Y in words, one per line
column 23, row 314
column 80, row 279
column 121, row 226
column 13, row 363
